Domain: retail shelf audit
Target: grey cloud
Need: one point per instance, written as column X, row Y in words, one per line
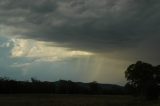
column 93, row 25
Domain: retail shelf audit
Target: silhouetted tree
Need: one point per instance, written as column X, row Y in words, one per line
column 143, row 79
column 61, row 87
column 72, row 88
column 34, row 80
column 130, row 89
column 94, row 87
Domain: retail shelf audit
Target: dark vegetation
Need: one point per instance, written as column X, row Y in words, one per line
column 58, row 87
column 143, row 81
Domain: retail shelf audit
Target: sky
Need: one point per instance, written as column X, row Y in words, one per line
column 78, row 40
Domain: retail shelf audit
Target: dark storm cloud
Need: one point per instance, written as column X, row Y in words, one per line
column 93, row 25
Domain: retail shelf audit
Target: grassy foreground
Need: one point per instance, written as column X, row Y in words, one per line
column 73, row 100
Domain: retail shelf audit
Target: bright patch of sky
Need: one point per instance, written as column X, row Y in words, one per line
column 22, row 59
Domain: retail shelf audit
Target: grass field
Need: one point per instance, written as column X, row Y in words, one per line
column 73, row 100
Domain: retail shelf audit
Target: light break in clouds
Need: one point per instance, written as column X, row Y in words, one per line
column 109, row 34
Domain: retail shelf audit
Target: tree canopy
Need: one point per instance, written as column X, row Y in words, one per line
column 144, row 79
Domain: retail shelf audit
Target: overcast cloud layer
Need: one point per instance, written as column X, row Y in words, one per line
column 117, row 32
column 94, row 25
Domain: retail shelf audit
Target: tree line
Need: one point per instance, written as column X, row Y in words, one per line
column 59, row 87
column 143, row 79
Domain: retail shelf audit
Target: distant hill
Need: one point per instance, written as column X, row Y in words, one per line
column 103, row 88
column 58, row 87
